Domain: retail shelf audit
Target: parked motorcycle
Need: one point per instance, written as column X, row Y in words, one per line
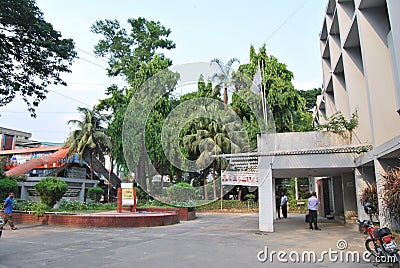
column 380, row 241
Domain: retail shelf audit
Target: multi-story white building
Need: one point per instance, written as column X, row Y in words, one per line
column 360, row 48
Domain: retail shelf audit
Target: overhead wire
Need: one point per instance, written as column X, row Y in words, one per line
column 286, row 20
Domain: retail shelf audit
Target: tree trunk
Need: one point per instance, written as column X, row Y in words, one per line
column 205, row 189
column 91, row 165
column 214, row 184
column 225, row 98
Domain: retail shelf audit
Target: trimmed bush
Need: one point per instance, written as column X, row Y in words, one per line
column 95, row 193
column 228, row 204
column 51, row 190
column 181, row 192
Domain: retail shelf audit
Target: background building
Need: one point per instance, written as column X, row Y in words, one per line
column 36, row 160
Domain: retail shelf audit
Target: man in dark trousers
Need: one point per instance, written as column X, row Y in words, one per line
column 313, row 204
column 8, row 207
column 284, row 201
column 278, row 205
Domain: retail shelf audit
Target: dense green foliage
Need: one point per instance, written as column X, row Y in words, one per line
column 51, row 190
column 64, row 206
column 180, row 192
column 338, row 123
column 133, row 55
column 310, row 96
column 229, row 204
column 95, row 193
column 7, row 186
column 283, row 100
column 32, row 53
column 39, row 208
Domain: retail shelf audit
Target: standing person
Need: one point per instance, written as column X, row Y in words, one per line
column 278, row 205
column 313, row 204
column 8, row 207
column 284, row 200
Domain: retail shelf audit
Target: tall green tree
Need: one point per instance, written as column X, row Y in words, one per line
column 128, row 51
column 32, row 53
column 303, row 120
column 90, row 139
column 311, row 97
column 281, row 96
column 224, row 76
column 136, row 56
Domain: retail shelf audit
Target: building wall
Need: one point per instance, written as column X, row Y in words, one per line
column 360, row 53
column 360, row 48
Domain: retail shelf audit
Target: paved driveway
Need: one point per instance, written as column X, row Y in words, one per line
column 212, row 240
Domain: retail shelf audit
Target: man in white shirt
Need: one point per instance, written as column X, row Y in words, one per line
column 313, row 204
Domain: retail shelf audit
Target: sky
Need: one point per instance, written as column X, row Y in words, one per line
column 201, row 29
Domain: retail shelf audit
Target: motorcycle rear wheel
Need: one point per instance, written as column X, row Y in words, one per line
column 370, row 246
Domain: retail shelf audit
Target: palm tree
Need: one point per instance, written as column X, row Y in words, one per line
column 224, row 76
column 90, row 139
column 211, row 137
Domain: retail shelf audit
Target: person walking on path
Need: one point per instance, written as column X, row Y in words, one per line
column 8, row 207
column 313, row 204
column 284, row 201
column 278, row 205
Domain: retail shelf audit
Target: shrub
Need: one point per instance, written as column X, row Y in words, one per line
column 391, row 193
column 22, row 205
column 39, row 208
column 300, row 205
column 72, row 205
column 181, row 193
column 7, row 186
column 51, row 190
column 251, row 197
column 95, row 194
column 370, row 195
column 228, row 204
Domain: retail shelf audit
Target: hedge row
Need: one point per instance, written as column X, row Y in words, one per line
column 228, row 204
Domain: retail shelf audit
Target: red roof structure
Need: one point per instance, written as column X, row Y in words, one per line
column 31, row 150
column 37, row 162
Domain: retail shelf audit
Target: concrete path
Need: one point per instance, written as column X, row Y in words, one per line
column 212, row 240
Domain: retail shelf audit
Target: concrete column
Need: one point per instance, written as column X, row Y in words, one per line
column 266, row 200
column 394, row 41
column 24, row 192
column 363, row 177
column 82, row 192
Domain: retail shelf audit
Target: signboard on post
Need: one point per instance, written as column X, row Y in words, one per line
column 243, row 178
column 126, row 197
